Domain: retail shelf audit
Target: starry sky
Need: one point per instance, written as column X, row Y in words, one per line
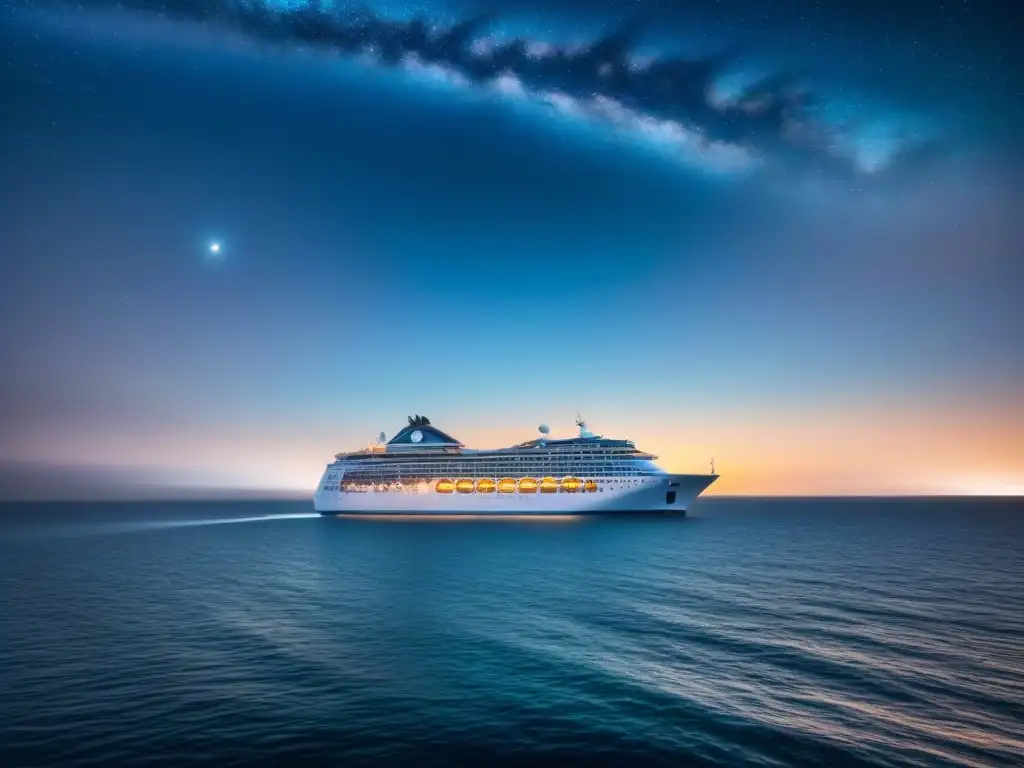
column 783, row 234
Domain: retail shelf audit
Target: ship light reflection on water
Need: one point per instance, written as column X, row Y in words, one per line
column 420, row 518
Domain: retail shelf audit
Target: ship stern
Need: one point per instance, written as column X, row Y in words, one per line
column 326, row 498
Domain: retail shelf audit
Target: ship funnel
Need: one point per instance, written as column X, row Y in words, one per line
column 382, row 438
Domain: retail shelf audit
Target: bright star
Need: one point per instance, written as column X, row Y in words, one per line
column 215, row 247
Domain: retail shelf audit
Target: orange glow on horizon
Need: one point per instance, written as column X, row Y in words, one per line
column 863, row 449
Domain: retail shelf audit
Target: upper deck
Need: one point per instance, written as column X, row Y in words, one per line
column 420, row 442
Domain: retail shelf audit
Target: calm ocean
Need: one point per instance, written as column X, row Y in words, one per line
column 814, row 632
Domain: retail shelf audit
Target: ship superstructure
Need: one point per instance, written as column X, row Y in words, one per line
column 425, row 470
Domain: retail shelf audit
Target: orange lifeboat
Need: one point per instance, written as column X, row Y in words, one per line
column 486, row 485
column 445, row 486
column 590, row 486
column 506, row 485
column 464, row 486
column 571, row 484
column 549, row 485
column 527, row 485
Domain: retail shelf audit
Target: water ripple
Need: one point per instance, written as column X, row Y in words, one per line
column 761, row 634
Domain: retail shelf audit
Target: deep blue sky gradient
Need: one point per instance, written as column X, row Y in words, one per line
column 396, row 244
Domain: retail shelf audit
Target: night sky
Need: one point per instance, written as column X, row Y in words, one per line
column 788, row 235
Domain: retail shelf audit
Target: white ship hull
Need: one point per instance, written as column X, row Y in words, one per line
column 652, row 494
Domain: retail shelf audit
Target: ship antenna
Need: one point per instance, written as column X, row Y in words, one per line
column 582, row 424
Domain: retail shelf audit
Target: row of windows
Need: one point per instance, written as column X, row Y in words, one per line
column 526, row 461
column 402, row 456
column 555, row 470
column 488, row 486
column 511, row 464
column 517, row 465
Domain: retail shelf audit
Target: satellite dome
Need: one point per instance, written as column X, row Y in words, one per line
column 544, row 429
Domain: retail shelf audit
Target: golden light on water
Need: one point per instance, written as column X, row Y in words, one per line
column 375, row 518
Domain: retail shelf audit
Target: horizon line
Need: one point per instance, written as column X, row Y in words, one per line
column 294, row 497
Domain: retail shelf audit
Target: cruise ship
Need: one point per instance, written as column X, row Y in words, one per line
column 425, row 471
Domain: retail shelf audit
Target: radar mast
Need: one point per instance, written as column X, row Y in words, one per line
column 582, row 424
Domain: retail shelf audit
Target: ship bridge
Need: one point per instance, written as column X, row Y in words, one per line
column 420, row 436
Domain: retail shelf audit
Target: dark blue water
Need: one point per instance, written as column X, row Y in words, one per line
column 756, row 633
